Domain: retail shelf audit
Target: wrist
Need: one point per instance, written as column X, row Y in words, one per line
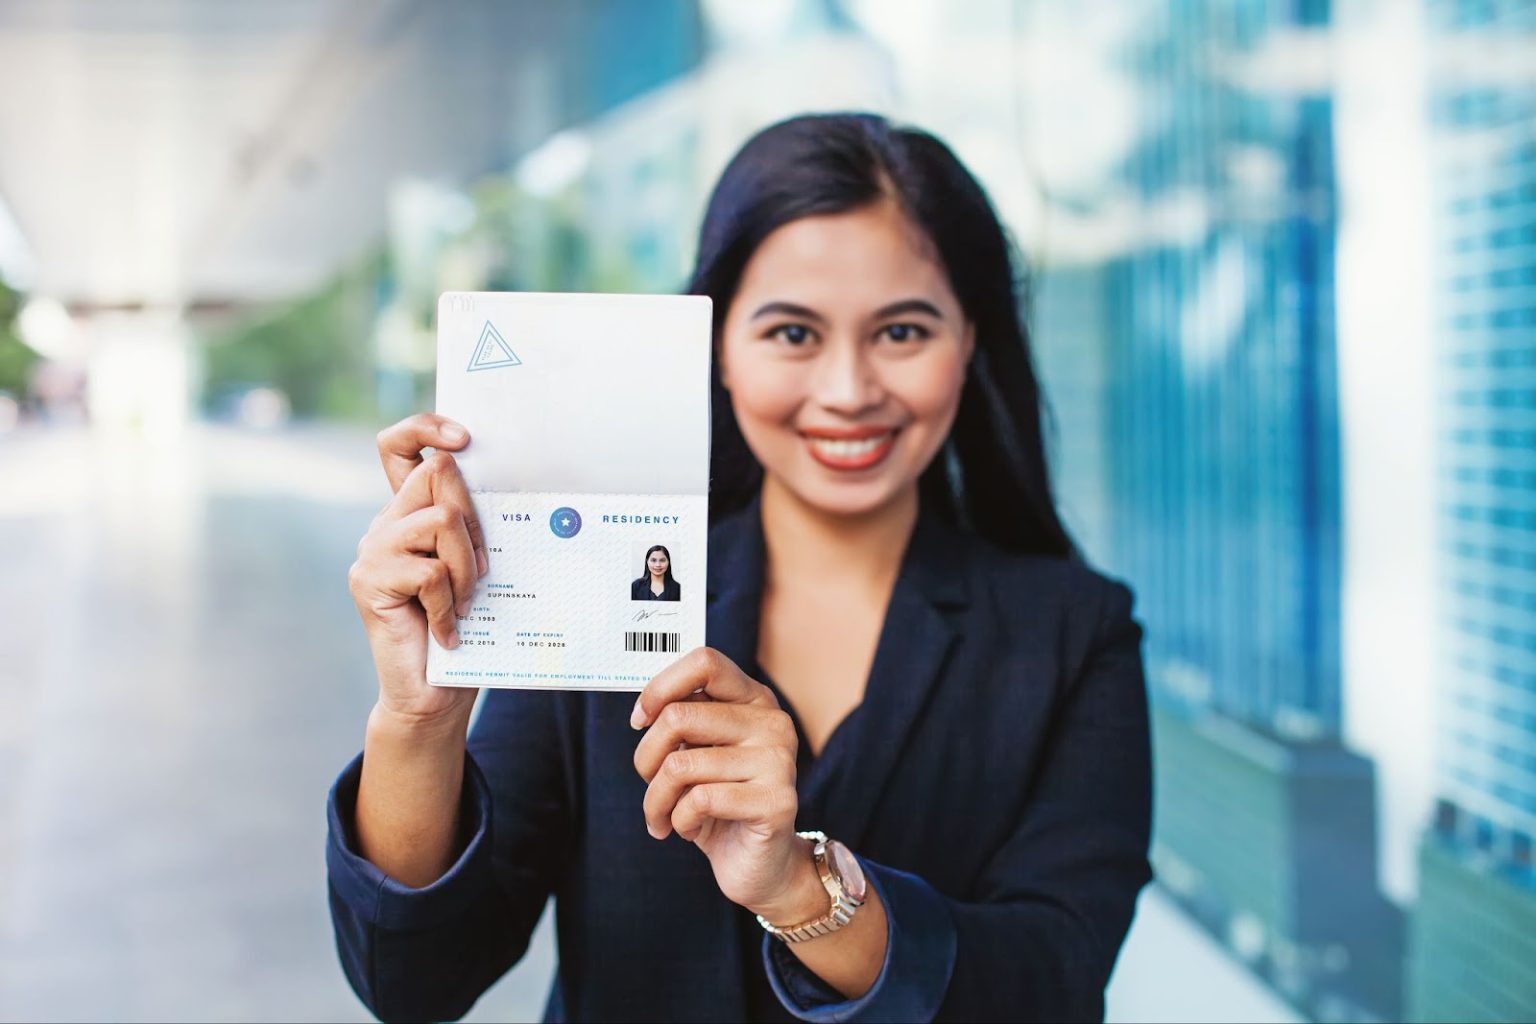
column 435, row 730
column 804, row 897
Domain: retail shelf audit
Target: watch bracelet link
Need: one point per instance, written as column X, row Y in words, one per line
column 842, row 907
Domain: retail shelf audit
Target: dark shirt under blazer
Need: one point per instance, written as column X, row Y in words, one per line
column 995, row 783
column 640, row 590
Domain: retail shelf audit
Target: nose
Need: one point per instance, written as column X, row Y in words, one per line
column 846, row 379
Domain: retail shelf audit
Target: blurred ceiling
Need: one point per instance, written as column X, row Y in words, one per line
column 225, row 151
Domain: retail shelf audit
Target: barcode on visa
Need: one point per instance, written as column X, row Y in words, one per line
column 660, row 643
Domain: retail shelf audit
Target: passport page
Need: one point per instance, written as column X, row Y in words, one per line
column 588, row 464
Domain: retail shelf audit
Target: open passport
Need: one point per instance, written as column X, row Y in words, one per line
column 588, row 463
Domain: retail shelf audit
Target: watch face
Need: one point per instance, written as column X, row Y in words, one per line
column 846, row 866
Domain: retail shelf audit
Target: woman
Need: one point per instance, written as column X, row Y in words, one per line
column 905, row 654
column 656, row 582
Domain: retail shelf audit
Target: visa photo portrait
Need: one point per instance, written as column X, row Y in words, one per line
column 656, row 581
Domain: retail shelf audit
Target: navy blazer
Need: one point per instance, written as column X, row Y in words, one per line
column 995, row 783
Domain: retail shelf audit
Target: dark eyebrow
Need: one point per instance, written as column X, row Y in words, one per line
column 894, row 309
column 788, row 309
column 908, row 306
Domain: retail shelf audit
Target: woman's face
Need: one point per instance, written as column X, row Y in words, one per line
column 657, row 563
column 844, row 352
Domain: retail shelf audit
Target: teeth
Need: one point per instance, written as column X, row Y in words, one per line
column 848, row 449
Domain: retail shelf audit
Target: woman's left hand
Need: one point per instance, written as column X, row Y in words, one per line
column 721, row 772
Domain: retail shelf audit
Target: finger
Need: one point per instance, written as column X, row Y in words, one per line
column 435, row 592
column 701, row 668
column 685, row 768
column 437, row 481
column 439, row 530
column 400, row 444
column 772, row 806
column 711, row 724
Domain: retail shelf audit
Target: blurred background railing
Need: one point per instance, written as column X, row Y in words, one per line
column 1283, row 293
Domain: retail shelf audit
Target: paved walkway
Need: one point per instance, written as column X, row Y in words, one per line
column 182, row 674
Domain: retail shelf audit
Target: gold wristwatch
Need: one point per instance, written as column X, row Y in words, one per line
column 845, row 883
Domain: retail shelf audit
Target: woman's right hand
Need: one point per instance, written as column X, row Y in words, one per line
column 417, row 567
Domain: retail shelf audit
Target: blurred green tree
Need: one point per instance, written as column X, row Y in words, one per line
column 16, row 359
column 317, row 350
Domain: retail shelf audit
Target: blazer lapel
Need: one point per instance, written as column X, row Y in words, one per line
column 915, row 643
column 735, row 585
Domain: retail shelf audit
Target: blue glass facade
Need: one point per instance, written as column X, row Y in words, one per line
column 1486, row 326
column 1225, row 484
column 1225, row 402
column 1474, row 935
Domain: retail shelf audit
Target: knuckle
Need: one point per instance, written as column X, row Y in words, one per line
column 698, row 661
column 786, row 760
column 679, row 764
column 435, row 573
column 691, row 714
column 784, row 728
column 674, row 716
column 710, row 660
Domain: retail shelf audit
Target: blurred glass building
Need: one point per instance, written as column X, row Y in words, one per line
column 1473, row 953
column 1223, row 418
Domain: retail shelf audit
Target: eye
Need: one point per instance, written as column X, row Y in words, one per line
column 905, row 332
column 795, row 335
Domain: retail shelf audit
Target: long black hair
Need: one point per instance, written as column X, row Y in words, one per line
column 991, row 475
column 645, row 564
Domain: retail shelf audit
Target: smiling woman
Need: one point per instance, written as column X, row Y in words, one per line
column 851, row 394
column 656, row 582
column 934, row 266
column 910, row 780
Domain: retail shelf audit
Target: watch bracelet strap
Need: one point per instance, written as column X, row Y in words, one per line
column 826, row 924
column 840, row 914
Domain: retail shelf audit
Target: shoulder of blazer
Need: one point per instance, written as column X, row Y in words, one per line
column 1080, row 599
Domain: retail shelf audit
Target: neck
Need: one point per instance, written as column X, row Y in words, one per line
column 809, row 544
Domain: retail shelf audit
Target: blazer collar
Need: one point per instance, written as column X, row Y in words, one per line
column 915, row 642
column 933, row 564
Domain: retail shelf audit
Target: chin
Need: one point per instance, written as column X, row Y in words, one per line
column 848, row 498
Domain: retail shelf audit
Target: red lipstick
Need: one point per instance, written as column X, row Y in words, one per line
column 849, row 448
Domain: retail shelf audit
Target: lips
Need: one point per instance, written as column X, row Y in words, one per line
column 850, row 449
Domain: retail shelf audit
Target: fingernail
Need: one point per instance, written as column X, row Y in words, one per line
column 637, row 716
column 453, row 640
column 655, row 833
column 480, row 561
column 453, row 432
